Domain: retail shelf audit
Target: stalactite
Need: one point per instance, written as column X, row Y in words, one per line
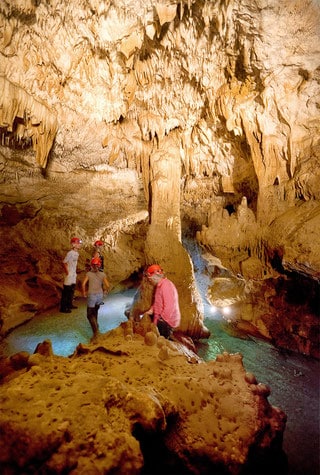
column 38, row 120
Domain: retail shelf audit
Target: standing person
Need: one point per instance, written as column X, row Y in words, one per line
column 98, row 248
column 70, row 268
column 165, row 308
column 97, row 283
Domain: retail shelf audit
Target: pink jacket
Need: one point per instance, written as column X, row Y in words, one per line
column 166, row 303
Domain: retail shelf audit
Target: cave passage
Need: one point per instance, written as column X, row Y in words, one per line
column 66, row 331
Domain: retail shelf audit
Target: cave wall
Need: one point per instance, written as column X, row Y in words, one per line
column 102, row 106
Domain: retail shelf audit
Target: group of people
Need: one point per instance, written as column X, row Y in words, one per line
column 95, row 279
column 164, row 312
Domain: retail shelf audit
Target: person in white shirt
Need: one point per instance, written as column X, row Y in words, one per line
column 70, row 263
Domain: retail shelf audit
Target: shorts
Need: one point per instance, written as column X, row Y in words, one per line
column 94, row 299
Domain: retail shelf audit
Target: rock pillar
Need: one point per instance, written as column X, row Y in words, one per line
column 163, row 242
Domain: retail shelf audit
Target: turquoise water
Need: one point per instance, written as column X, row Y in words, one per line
column 66, row 330
column 294, row 383
column 293, row 379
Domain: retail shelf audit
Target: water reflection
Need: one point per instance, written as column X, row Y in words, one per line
column 294, row 383
column 66, row 331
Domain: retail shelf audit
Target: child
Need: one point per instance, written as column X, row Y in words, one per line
column 97, row 283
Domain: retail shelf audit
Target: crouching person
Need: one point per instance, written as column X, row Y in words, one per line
column 97, row 285
column 165, row 311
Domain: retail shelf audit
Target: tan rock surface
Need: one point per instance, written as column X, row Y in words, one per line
column 102, row 409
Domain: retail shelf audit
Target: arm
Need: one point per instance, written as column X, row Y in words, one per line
column 150, row 311
column 157, row 306
column 65, row 263
column 65, row 268
column 84, row 283
column 106, row 284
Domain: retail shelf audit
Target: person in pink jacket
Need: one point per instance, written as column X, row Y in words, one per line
column 165, row 308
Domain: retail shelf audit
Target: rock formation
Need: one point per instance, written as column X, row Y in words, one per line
column 121, row 119
column 141, row 122
column 135, row 403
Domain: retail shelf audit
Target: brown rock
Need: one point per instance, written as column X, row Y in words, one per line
column 101, row 411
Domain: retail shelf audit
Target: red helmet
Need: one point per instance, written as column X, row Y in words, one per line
column 95, row 261
column 76, row 240
column 98, row 243
column 155, row 269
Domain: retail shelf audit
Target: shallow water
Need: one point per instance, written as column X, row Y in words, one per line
column 66, row 330
column 293, row 379
column 294, row 383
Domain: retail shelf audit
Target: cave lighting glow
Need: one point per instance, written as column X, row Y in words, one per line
column 212, row 312
column 226, row 311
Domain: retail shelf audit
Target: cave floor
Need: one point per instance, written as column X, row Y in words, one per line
column 293, row 379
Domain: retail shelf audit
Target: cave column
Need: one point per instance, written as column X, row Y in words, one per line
column 165, row 178
column 163, row 242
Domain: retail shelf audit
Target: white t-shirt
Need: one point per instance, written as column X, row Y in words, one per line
column 71, row 260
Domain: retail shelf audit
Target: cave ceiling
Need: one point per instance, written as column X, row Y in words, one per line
column 111, row 96
column 236, row 81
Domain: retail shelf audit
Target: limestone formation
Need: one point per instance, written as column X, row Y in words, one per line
column 134, row 406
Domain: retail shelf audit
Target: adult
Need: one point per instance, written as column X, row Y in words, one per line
column 97, row 285
column 165, row 308
column 70, row 268
column 98, row 250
